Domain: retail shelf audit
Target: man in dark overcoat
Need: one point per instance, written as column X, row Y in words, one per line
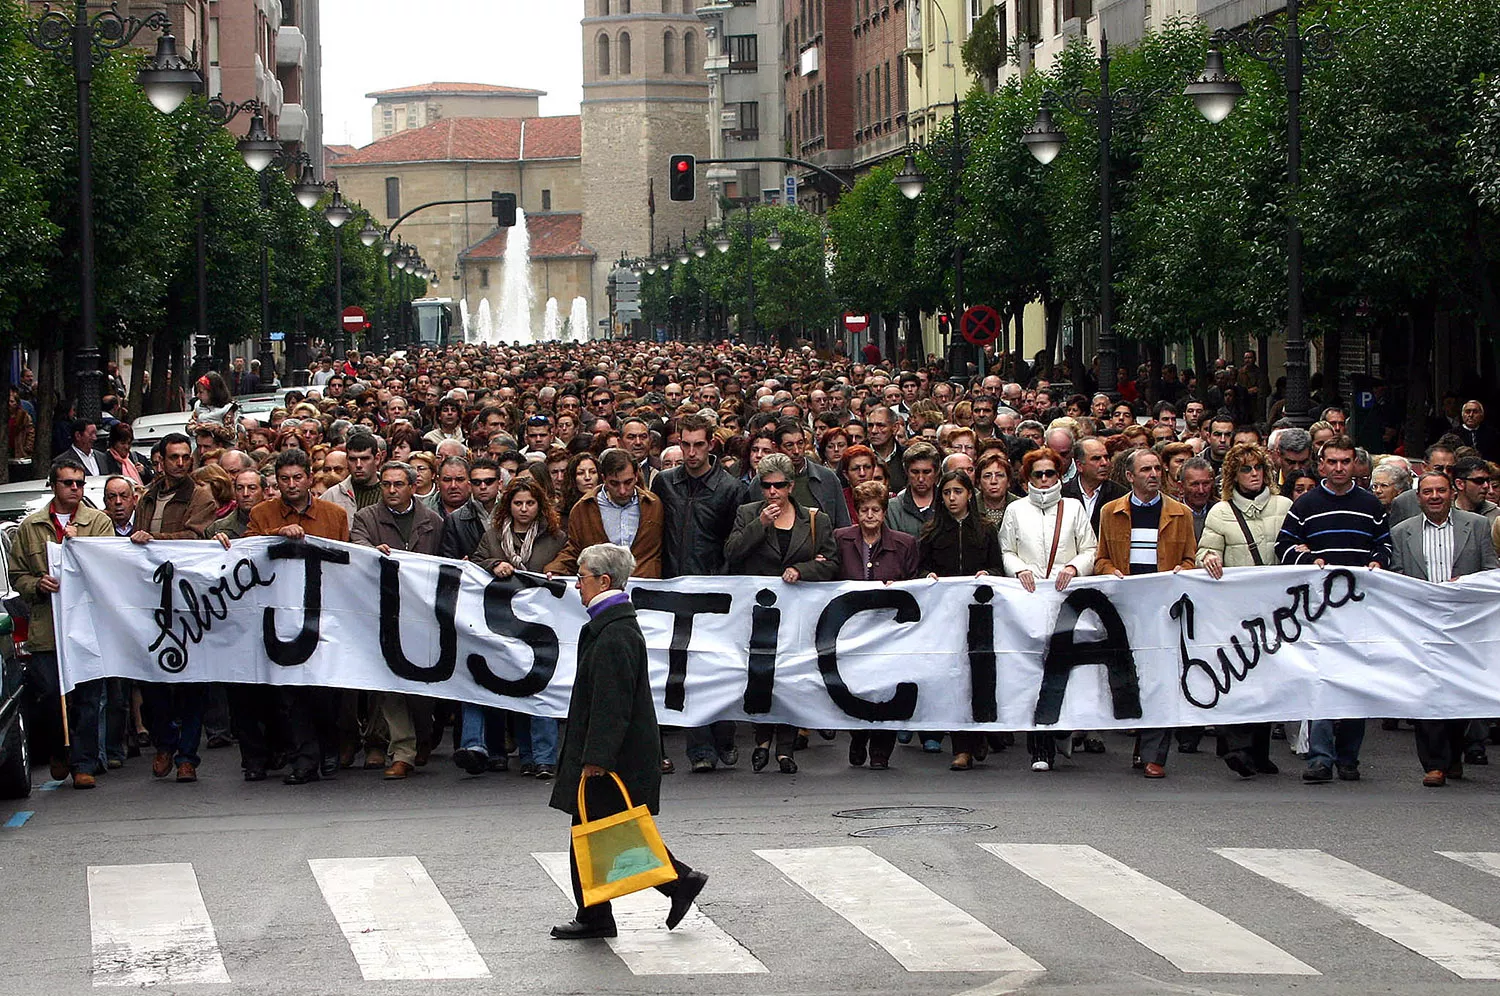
column 612, row 728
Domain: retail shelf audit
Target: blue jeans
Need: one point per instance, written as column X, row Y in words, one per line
column 480, row 726
column 85, row 715
column 174, row 715
column 537, row 738
column 1334, row 741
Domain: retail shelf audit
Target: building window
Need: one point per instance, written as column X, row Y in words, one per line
column 289, row 12
column 668, row 53
column 393, row 197
column 546, row 200
column 747, row 128
column 601, row 59
column 689, row 53
column 624, row 46
column 213, row 41
column 887, row 91
column 975, row 12
column 484, row 276
column 744, row 53
column 1081, row 9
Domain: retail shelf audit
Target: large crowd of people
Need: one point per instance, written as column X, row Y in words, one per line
column 720, row 458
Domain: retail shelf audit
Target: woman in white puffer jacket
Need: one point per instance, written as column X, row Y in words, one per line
column 1046, row 538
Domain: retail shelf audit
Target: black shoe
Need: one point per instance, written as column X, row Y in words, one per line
column 219, row 741
column 579, row 930
column 703, row 765
column 1278, row 731
column 1265, row 766
column 878, row 763
column 1136, row 762
column 729, row 758
column 498, row 763
column 1093, row 745
column 255, row 774
column 1318, row 773
column 800, row 743
column 1476, row 755
column 329, row 768
column 528, row 770
column 1240, row 765
column 1348, row 773
column 1390, row 724
column 688, row 888
column 470, row 760
column 828, row 734
column 1188, row 748
column 546, row 772
column 787, row 765
column 296, row 777
column 759, row 758
column 858, row 753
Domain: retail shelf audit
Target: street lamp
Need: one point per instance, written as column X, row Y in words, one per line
column 721, row 241
column 307, row 189
column 167, row 79
column 1289, row 52
column 911, row 181
column 369, row 235
column 257, row 147
column 1045, row 140
column 773, row 241
column 337, row 214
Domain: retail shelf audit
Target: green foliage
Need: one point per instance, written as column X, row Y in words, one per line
column 1481, row 146
column 28, row 234
column 984, row 51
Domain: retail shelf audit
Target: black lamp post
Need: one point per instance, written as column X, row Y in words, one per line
column 336, row 214
column 1045, row 140
column 1290, row 52
column 167, row 78
column 261, row 152
column 911, row 182
column 773, row 242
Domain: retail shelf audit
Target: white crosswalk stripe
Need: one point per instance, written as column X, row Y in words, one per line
column 697, row 947
column 916, row 926
column 1188, row 934
column 150, row 927
column 396, row 921
column 1464, row 945
column 1485, row 861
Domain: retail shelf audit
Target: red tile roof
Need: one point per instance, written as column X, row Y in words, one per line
column 455, row 90
column 553, row 236
column 477, row 140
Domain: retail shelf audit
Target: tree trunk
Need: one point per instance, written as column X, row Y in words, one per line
column 1419, row 374
column 1333, row 359
column 140, row 357
column 1200, row 367
column 46, row 402
column 5, row 351
column 1054, row 334
column 161, row 360
column 1156, row 357
column 916, row 350
column 890, row 326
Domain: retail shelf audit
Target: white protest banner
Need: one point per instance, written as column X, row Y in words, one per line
column 975, row 653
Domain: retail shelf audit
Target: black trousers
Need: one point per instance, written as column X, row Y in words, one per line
column 785, row 736
column 602, row 798
column 708, row 742
column 256, row 714
column 312, row 726
column 879, row 742
column 1253, row 740
column 1440, row 743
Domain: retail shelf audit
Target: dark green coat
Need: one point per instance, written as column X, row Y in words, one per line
column 612, row 715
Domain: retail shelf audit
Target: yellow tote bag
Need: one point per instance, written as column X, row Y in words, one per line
column 619, row 854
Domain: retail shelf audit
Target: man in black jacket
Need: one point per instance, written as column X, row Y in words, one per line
column 699, row 501
column 1092, row 485
column 612, row 730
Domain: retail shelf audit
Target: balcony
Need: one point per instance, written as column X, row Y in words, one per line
column 292, row 125
column 291, row 46
column 741, row 134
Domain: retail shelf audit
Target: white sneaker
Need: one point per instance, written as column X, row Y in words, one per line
column 1040, row 766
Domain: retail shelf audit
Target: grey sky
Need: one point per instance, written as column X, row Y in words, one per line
column 373, row 45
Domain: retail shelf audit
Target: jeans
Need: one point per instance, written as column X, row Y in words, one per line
column 537, row 738
column 85, row 715
column 480, row 726
column 174, row 715
column 1334, row 741
column 707, row 743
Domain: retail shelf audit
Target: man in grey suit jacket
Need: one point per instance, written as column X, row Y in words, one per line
column 1442, row 544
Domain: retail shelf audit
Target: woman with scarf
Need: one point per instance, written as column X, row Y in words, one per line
column 524, row 535
column 1046, row 538
column 959, row 542
column 1238, row 532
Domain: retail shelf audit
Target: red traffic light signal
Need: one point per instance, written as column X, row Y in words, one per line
column 682, row 178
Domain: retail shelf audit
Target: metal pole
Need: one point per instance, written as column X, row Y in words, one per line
column 1298, row 403
column 341, row 336
column 203, row 362
column 750, row 265
column 1109, row 367
column 88, row 373
column 267, row 357
column 958, row 353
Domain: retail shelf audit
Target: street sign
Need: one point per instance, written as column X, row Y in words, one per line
column 354, row 318
column 277, row 337
column 1365, row 400
column 791, row 192
column 980, row 325
column 856, row 323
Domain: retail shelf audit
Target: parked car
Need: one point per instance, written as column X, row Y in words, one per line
column 149, row 429
column 15, row 702
column 20, row 499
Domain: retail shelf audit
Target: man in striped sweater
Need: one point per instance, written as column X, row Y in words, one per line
column 1341, row 525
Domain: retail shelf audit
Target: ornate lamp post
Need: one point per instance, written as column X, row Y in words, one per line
column 167, row 78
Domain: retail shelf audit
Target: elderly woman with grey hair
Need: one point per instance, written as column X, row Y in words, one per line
column 612, row 730
column 1388, row 480
column 776, row 537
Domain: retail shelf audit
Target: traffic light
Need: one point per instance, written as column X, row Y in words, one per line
column 944, row 326
column 683, row 178
column 503, row 207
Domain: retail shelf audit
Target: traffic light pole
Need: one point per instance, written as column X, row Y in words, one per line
column 431, row 204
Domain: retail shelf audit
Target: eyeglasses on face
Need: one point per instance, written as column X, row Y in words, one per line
column 776, row 485
column 1042, row 475
column 1477, row 480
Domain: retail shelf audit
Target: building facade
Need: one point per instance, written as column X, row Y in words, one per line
column 270, row 51
column 818, row 79
column 879, row 92
column 747, row 110
column 409, row 107
column 645, row 98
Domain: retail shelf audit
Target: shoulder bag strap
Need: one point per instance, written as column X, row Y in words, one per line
column 1249, row 538
column 1056, row 538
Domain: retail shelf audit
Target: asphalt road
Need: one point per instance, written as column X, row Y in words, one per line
column 1087, row 880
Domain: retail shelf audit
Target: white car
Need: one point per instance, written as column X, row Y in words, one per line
column 20, row 499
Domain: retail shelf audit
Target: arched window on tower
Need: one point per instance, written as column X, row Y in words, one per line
column 624, row 50
column 602, row 59
column 668, row 53
column 689, row 53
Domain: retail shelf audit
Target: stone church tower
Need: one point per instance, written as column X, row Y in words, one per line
column 645, row 99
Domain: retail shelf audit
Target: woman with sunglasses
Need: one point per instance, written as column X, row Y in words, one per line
column 1046, row 538
column 1238, row 532
column 776, row 537
column 959, row 542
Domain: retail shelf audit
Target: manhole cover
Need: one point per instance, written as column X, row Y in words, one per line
column 903, row 813
column 913, row 829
